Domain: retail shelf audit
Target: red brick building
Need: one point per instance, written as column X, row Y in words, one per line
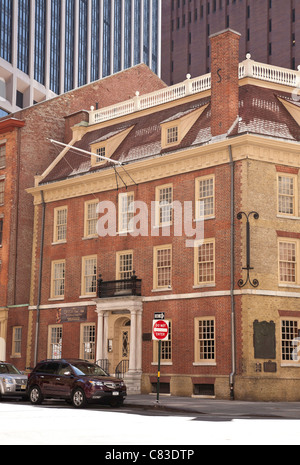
column 24, row 153
column 158, row 219
column 269, row 32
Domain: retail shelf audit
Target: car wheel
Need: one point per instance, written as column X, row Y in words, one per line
column 78, row 398
column 36, row 396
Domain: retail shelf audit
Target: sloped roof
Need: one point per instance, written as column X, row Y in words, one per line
column 261, row 112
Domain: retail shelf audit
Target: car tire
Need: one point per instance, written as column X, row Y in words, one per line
column 78, row 398
column 35, row 395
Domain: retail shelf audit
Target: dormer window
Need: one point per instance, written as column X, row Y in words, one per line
column 174, row 129
column 172, row 135
column 100, row 150
column 107, row 145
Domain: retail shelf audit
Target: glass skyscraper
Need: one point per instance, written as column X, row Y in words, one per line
column 48, row 47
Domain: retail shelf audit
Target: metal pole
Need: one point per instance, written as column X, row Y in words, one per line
column 158, row 372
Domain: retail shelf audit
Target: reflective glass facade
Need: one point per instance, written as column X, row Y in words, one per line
column 55, row 45
column 23, row 34
column 40, row 41
column 5, row 29
column 64, row 44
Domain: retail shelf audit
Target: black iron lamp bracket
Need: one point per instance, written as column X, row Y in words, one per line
column 254, row 282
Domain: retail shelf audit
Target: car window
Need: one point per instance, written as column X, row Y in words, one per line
column 64, row 369
column 49, row 368
column 88, row 369
column 7, row 368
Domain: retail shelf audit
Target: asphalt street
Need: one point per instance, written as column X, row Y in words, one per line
column 211, row 409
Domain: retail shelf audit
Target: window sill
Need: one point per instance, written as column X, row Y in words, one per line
column 88, row 296
column 290, row 365
column 200, row 286
column 59, row 242
column 288, row 217
column 291, row 286
column 201, row 364
column 53, row 299
column 162, row 363
column 209, row 217
column 163, row 289
column 87, row 238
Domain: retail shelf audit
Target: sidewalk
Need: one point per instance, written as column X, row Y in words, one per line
column 218, row 409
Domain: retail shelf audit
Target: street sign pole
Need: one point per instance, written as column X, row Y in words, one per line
column 160, row 332
column 158, row 372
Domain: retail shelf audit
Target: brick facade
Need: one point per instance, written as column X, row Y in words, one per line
column 226, row 339
column 26, row 135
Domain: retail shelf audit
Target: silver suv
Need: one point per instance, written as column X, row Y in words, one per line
column 12, row 382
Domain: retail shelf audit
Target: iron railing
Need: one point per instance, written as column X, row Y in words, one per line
column 122, row 369
column 119, row 288
column 104, row 364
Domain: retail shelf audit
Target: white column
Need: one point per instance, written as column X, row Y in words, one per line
column 139, row 341
column 100, row 334
column 105, row 335
column 132, row 355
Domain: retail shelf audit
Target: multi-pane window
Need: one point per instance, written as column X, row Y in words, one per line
column 287, row 192
column 124, row 265
column 164, row 199
column 89, row 282
column 205, row 262
column 17, row 341
column 55, row 342
column 91, row 218
column 163, row 267
column 58, row 279
column 288, row 262
column 88, row 339
column 2, row 192
column 126, row 212
column 166, row 346
column 2, row 155
column 205, row 193
column 172, row 135
column 205, row 346
column 101, row 152
column 290, row 341
column 60, row 224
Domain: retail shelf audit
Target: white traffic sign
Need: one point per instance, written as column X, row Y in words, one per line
column 160, row 330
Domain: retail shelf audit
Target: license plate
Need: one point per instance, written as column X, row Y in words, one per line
column 115, row 393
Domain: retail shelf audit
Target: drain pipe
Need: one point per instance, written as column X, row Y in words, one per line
column 37, row 327
column 233, row 342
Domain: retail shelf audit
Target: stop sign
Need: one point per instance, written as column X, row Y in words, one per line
column 160, row 330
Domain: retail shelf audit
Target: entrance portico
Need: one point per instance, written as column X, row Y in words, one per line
column 112, row 315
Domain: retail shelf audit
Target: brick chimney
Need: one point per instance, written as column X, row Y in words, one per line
column 225, row 80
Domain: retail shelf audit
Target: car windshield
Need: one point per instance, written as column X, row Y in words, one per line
column 88, row 369
column 7, row 368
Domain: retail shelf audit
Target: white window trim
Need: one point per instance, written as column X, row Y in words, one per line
column 297, row 243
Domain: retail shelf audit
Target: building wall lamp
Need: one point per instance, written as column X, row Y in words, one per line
column 248, row 268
